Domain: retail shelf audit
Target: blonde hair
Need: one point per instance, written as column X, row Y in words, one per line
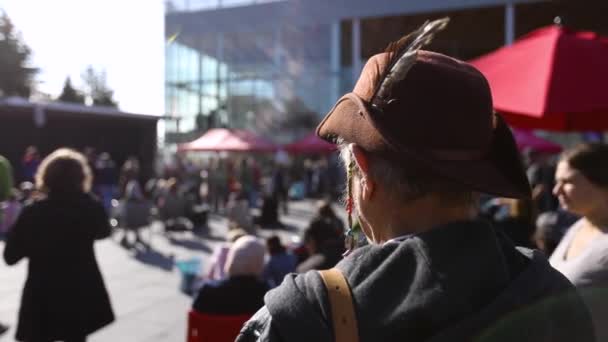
column 64, row 170
column 235, row 234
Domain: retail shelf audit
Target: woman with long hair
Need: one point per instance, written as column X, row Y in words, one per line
column 64, row 297
column 582, row 255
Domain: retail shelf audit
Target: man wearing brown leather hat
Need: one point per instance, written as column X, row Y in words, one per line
column 420, row 141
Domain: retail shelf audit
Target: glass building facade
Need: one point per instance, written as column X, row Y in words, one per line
column 259, row 80
column 276, row 67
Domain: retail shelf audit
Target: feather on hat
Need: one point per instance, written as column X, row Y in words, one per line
column 411, row 105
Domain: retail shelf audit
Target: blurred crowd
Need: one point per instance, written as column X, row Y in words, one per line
column 71, row 189
column 539, row 222
column 566, row 210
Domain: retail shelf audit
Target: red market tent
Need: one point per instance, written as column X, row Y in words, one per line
column 310, row 144
column 553, row 78
column 235, row 140
column 525, row 139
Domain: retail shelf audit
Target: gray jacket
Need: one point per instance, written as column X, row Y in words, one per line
column 459, row 282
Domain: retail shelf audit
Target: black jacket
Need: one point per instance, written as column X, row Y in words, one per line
column 459, row 282
column 64, row 294
column 231, row 296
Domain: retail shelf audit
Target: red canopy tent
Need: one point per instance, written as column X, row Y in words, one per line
column 235, row 140
column 310, row 144
column 525, row 139
column 553, row 78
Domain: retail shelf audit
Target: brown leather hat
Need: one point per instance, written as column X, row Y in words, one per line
column 440, row 116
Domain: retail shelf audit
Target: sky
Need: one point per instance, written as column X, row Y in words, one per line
column 123, row 37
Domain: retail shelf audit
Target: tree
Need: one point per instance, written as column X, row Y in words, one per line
column 70, row 94
column 96, row 88
column 16, row 77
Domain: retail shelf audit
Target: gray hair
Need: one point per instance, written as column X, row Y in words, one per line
column 245, row 257
column 405, row 184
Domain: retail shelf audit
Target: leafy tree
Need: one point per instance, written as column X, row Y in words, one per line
column 96, row 88
column 70, row 94
column 16, row 77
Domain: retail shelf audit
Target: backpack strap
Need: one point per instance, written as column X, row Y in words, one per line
column 341, row 304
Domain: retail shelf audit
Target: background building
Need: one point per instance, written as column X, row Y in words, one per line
column 277, row 66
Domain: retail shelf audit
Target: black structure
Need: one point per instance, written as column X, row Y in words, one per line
column 49, row 126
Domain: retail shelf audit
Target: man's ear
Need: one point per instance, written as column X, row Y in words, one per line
column 367, row 184
column 360, row 158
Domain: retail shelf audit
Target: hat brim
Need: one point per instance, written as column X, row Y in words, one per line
column 497, row 170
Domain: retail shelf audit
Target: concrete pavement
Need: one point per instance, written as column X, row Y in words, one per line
column 144, row 285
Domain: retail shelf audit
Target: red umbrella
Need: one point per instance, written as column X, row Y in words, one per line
column 553, row 78
column 525, row 139
column 310, row 144
column 222, row 139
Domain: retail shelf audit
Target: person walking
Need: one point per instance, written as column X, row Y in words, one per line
column 420, row 141
column 64, row 297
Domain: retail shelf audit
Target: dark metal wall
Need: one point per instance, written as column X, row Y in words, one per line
column 122, row 137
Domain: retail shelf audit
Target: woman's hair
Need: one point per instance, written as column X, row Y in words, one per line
column 235, row 234
column 274, row 246
column 245, row 257
column 590, row 159
column 325, row 209
column 319, row 233
column 64, row 170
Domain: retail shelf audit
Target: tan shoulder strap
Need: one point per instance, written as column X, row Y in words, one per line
column 341, row 302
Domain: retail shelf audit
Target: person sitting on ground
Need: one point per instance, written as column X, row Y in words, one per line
column 279, row 263
column 327, row 219
column 326, row 229
column 324, row 248
column 64, row 297
column 242, row 291
column 419, row 140
column 219, row 256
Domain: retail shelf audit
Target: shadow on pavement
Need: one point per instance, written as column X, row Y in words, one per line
column 154, row 258
column 279, row 226
column 189, row 243
column 298, row 213
column 206, row 234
